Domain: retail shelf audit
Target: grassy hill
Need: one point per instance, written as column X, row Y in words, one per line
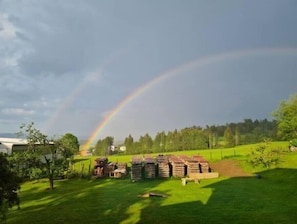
column 271, row 199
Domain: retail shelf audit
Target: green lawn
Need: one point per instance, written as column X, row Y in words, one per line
column 271, row 199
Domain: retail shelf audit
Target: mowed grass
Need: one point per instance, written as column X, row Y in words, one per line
column 271, row 199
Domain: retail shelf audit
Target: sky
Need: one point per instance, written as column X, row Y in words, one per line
column 114, row 68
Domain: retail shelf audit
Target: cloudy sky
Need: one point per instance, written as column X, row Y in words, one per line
column 137, row 67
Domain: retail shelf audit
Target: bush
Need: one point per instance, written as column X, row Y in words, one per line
column 294, row 142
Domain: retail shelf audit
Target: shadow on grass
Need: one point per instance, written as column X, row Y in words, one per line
column 271, row 199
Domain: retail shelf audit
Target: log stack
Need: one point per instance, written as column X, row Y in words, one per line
column 149, row 167
column 163, row 166
column 136, row 168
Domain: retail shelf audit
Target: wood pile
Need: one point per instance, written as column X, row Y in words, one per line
column 178, row 166
column 163, row 166
column 136, row 168
column 149, row 167
column 203, row 164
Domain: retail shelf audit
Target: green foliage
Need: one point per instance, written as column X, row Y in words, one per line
column 9, row 185
column 264, row 155
column 129, row 145
column 44, row 157
column 146, row 143
column 229, row 138
column 195, row 137
column 103, row 147
column 293, row 142
column 286, row 116
column 69, row 145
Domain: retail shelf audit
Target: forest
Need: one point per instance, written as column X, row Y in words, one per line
column 216, row 136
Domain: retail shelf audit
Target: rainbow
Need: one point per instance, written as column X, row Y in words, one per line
column 89, row 78
column 195, row 64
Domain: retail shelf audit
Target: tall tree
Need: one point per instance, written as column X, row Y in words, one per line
column 229, row 138
column 146, row 143
column 129, row 141
column 103, row 146
column 9, row 185
column 237, row 136
column 70, row 144
column 286, row 117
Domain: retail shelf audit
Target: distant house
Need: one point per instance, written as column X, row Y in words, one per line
column 123, row 148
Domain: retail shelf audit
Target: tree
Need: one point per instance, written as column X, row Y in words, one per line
column 146, row 143
column 286, row 117
column 237, row 136
column 264, row 156
column 103, row 146
column 129, row 141
column 159, row 142
column 70, row 145
column 43, row 155
column 229, row 138
column 9, row 185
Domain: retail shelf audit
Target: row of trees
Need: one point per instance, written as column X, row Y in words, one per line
column 195, row 137
column 249, row 131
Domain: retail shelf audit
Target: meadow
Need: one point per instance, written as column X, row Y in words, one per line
column 271, row 199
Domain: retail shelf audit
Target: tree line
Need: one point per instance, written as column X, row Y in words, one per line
column 191, row 138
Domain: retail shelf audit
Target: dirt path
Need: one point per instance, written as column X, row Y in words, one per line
column 229, row 168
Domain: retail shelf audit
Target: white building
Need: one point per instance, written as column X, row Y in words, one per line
column 8, row 145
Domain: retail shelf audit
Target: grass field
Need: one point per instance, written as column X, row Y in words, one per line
column 271, row 199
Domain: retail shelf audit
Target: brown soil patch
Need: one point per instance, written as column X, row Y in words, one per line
column 229, row 168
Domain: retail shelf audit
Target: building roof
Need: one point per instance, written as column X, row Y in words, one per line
column 6, row 144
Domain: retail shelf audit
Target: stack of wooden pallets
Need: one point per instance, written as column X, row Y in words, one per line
column 178, row 166
column 136, row 168
column 163, row 166
column 149, row 167
column 203, row 164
